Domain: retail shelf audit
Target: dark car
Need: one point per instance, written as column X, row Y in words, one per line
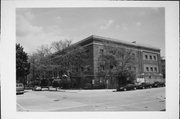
column 127, row 87
column 158, row 84
column 144, row 85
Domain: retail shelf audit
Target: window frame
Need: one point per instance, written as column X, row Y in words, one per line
column 155, row 58
column 155, row 69
column 151, row 69
column 146, row 57
column 150, row 57
column 147, row 69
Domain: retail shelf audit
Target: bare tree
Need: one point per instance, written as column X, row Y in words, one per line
column 59, row 45
column 116, row 62
column 44, row 50
column 40, row 63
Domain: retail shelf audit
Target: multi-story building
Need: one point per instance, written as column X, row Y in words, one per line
column 147, row 67
column 163, row 67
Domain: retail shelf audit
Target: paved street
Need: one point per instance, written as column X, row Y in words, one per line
column 92, row 100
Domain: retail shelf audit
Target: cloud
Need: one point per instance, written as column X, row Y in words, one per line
column 24, row 26
column 108, row 24
column 32, row 42
column 156, row 9
column 29, row 15
column 124, row 27
column 59, row 18
column 117, row 26
column 31, row 36
column 138, row 24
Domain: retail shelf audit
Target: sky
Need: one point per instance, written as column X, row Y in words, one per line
column 42, row 26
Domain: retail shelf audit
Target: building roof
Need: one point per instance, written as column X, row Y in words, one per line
column 138, row 45
column 96, row 37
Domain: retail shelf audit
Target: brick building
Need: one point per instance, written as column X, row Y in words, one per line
column 147, row 68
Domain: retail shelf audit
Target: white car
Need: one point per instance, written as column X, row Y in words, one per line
column 37, row 88
column 19, row 88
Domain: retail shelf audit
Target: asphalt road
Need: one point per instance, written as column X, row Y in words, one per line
column 92, row 100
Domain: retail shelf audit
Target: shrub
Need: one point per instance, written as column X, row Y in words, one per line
column 55, row 84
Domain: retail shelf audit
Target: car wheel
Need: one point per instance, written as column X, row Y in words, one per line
column 124, row 89
column 134, row 88
column 143, row 87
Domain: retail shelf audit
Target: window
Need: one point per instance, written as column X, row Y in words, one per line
column 82, row 69
column 76, row 69
column 146, row 56
column 151, row 68
column 150, row 57
column 101, row 51
column 102, row 67
column 147, row 68
column 87, row 51
column 155, row 68
column 154, row 57
column 88, row 68
column 111, row 67
column 55, row 74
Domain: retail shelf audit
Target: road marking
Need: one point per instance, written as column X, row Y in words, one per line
column 21, row 107
column 56, row 108
column 68, row 107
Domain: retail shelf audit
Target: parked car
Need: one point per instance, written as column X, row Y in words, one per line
column 158, row 84
column 127, row 87
column 19, row 88
column 144, row 85
column 88, row 86
column 162, row 84
column 37, row 88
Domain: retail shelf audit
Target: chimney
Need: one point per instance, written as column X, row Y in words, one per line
column 134, row 42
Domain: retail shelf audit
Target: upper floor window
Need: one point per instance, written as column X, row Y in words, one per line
column 147, row 68
column 76, row 69
column 150, row 57
column 101, row 67
column 111, row 67
column 133, row 54
column 154, row 57
column 82, row 68
column 155, row 68
column 87, row 51
column 151, row 68
column 146, row 57
column 101, row 51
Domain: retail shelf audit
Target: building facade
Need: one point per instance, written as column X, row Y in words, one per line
column 147, row 67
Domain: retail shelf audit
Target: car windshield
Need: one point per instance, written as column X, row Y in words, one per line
column 130, row 85
column 19, row 85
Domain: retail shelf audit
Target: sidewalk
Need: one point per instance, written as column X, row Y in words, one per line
column 89, row 90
